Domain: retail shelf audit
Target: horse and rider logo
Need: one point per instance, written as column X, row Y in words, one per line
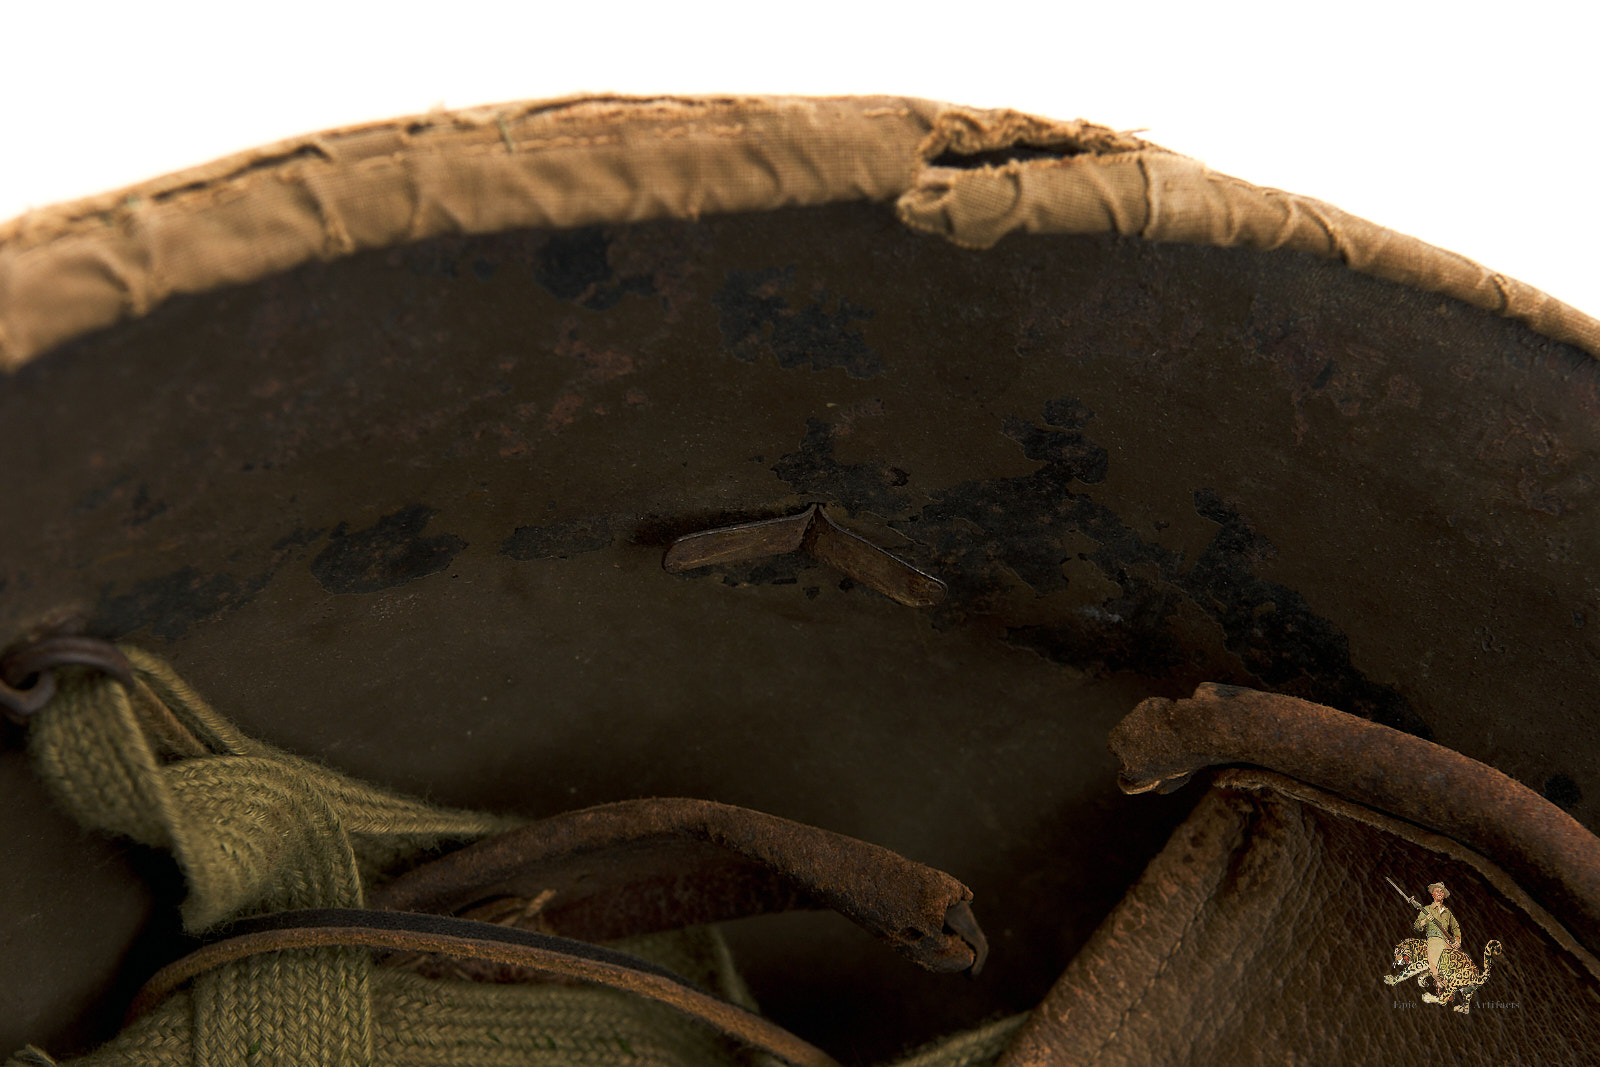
column 1436, row 956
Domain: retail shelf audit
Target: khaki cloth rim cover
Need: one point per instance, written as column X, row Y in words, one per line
column 74, row 268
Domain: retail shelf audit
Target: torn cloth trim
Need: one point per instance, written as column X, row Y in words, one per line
column 970, row 176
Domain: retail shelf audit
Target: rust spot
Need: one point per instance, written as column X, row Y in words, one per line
column 1403, row 391
column 564, row 413
column 562, row 539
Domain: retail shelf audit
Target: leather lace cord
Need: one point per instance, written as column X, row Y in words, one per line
column 467, row 939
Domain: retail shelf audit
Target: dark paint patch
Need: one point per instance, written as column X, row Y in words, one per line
column 1066, row 447
column 786, row 569
column 758, row 318
column 1561, row 789
column 298, row 538
column 434, row 259
column 391, row 552
column 981, row 537
column 591, row 533
column 979, row 530
column 144, row 508
column 100, row 496
column 813, row 471
column 659, row 531
column 1273, row 630
column 136, row 496
column 1324, row 376
column 1112, row 643
column 1067, row 412
column 1020, row 524
column 575, row 265
column 985, row 536
column 167, row 606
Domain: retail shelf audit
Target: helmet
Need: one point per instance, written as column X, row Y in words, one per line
column 380, row 437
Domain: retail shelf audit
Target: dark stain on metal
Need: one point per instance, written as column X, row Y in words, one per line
column 1563, row 790
column 590, row 533
column 810, row 532
column 575, row 265
column 986, row 534
column 1061, row 440
column 123, row 490
column 168, row 605
column 812, row 471
column 1275, row 632
column 1022, row 524
column 981, row 529
column 144, row 508
column 760, row 315
column 1324, row 375
column 99, row 496
column 298, row 538
column 1106, row 641
column 786, row 569
column 391, row 552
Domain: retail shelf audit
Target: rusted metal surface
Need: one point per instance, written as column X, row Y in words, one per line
column 464, row 939
column 811, row 532
column 27, row 678
column 643, row 865
column 1163, row 742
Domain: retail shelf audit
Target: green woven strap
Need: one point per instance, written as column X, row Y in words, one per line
column 257, row 830
column 444, row 1023
column 254, row 828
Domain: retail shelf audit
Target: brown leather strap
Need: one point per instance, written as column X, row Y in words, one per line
column 1162, row 742
column 463, row 938
column 643, row 865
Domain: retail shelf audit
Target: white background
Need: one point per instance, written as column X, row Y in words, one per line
column 1473, row 126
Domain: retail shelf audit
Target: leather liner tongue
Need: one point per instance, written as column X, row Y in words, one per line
column 640, row 866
